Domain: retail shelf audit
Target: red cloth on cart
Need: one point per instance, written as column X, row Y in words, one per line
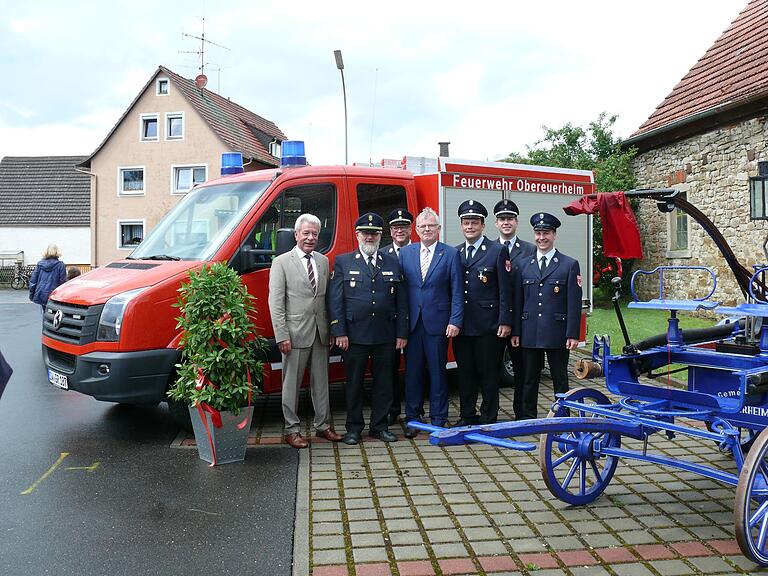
column 621, row 237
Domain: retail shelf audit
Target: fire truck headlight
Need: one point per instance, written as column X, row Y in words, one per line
column 111, row 318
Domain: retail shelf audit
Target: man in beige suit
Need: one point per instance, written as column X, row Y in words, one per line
column 297, row 285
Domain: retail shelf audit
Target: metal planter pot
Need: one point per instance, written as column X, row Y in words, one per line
column 228, row 441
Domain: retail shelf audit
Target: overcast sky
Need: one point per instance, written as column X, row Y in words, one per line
column 483, row 75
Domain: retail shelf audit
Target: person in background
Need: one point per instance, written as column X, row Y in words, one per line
column 432, row 272
column 72, row 272
column 520, row 251
column 298, row 281
column 547, row 316
column 49, row 274
column 400, row 222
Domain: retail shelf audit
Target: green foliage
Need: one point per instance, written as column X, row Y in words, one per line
column 593, row 148
column 219, row 340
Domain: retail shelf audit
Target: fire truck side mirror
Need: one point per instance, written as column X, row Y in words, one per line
column 285, row 240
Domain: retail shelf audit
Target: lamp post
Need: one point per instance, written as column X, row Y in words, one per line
column 340, row 66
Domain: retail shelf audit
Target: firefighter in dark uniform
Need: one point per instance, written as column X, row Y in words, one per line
column 369, row 320
column 400, row 222
column 547, row 314
column 487, row 317
column 520, row 251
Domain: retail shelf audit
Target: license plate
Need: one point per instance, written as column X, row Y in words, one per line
column 58, row 380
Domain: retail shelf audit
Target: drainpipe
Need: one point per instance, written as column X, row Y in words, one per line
column 94, row 220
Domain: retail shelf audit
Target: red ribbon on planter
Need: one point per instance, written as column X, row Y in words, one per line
column 203, row 407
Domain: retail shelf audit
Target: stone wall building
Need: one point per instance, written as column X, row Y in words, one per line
column 706, row 140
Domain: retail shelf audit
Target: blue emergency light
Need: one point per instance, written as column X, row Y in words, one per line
column 293, row 154
column 231, row 163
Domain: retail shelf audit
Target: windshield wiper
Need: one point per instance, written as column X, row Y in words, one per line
column 160, row 257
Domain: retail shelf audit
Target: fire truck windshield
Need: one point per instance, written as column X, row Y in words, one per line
column 198, row 225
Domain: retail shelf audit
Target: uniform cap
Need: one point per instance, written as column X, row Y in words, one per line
column 544, row 221
column 400, row 216
column 472, row 209
column 505, row 207
column 370, row 222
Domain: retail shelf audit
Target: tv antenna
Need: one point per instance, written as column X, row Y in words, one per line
column 201, row 80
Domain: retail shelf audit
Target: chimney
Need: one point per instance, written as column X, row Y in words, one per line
column 444, row 149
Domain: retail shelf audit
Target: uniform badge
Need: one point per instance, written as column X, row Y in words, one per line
column 352, row 283
column 557, row 289
column 483, row 278
column 508, row 266
column 392, row 290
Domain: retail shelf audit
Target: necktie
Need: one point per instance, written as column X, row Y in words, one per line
column 470, row 252
column 507, row 244
column 424, row 262
column 371, row 264
column 543, row 263
column 311, row 273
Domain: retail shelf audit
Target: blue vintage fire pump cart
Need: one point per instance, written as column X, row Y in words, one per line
column 725, row 401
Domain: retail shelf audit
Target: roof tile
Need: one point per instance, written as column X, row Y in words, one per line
column 733, row 69
column 44, row 191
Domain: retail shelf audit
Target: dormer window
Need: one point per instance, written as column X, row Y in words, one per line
column 162, row 86
column 148, row 127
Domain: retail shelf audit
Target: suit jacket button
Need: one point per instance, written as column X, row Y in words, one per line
column 539, row 314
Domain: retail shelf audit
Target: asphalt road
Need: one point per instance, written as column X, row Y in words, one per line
column 88, row 487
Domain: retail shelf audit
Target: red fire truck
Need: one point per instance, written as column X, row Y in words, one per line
column 111, row 333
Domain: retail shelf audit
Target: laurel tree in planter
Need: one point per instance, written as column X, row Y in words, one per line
column 218, row 373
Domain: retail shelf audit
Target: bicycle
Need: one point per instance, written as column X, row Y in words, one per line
column 21, row 279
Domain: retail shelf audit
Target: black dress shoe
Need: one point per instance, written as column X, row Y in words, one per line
column 352, row 438
column 464, row 422
column 383, row 435
column 411, row 432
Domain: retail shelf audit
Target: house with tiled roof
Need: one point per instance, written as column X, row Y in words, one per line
column 44, row 200
column 709, row 139
column 170, row 138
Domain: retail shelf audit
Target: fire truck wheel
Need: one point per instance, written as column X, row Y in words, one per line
column 180, row 413
column 506, row 374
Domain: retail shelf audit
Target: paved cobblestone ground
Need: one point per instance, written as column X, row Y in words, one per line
column 412, row 509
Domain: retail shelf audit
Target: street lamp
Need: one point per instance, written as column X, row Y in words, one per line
column 340, row 66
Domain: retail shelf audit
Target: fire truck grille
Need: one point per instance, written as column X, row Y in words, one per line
column 60, row 361
column 71, row 323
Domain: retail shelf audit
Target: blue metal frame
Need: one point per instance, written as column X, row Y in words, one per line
column 726, row 390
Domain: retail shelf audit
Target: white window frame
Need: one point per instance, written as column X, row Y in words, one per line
column 120, row 191
column 167, row 87
column 142, row 119
column 672, row 250
column 275, row 148
column 175, row 167
column 130, row 222
column 168, row 116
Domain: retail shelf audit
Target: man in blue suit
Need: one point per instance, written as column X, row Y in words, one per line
column 432, row 273
column 547, row 308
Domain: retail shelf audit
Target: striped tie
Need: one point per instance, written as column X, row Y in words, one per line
column 424, row 262
column 311, row 273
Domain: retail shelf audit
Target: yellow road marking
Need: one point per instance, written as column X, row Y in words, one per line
column 47, row 473
column 90, row 468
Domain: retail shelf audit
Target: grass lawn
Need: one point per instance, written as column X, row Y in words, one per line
column 640, row 324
